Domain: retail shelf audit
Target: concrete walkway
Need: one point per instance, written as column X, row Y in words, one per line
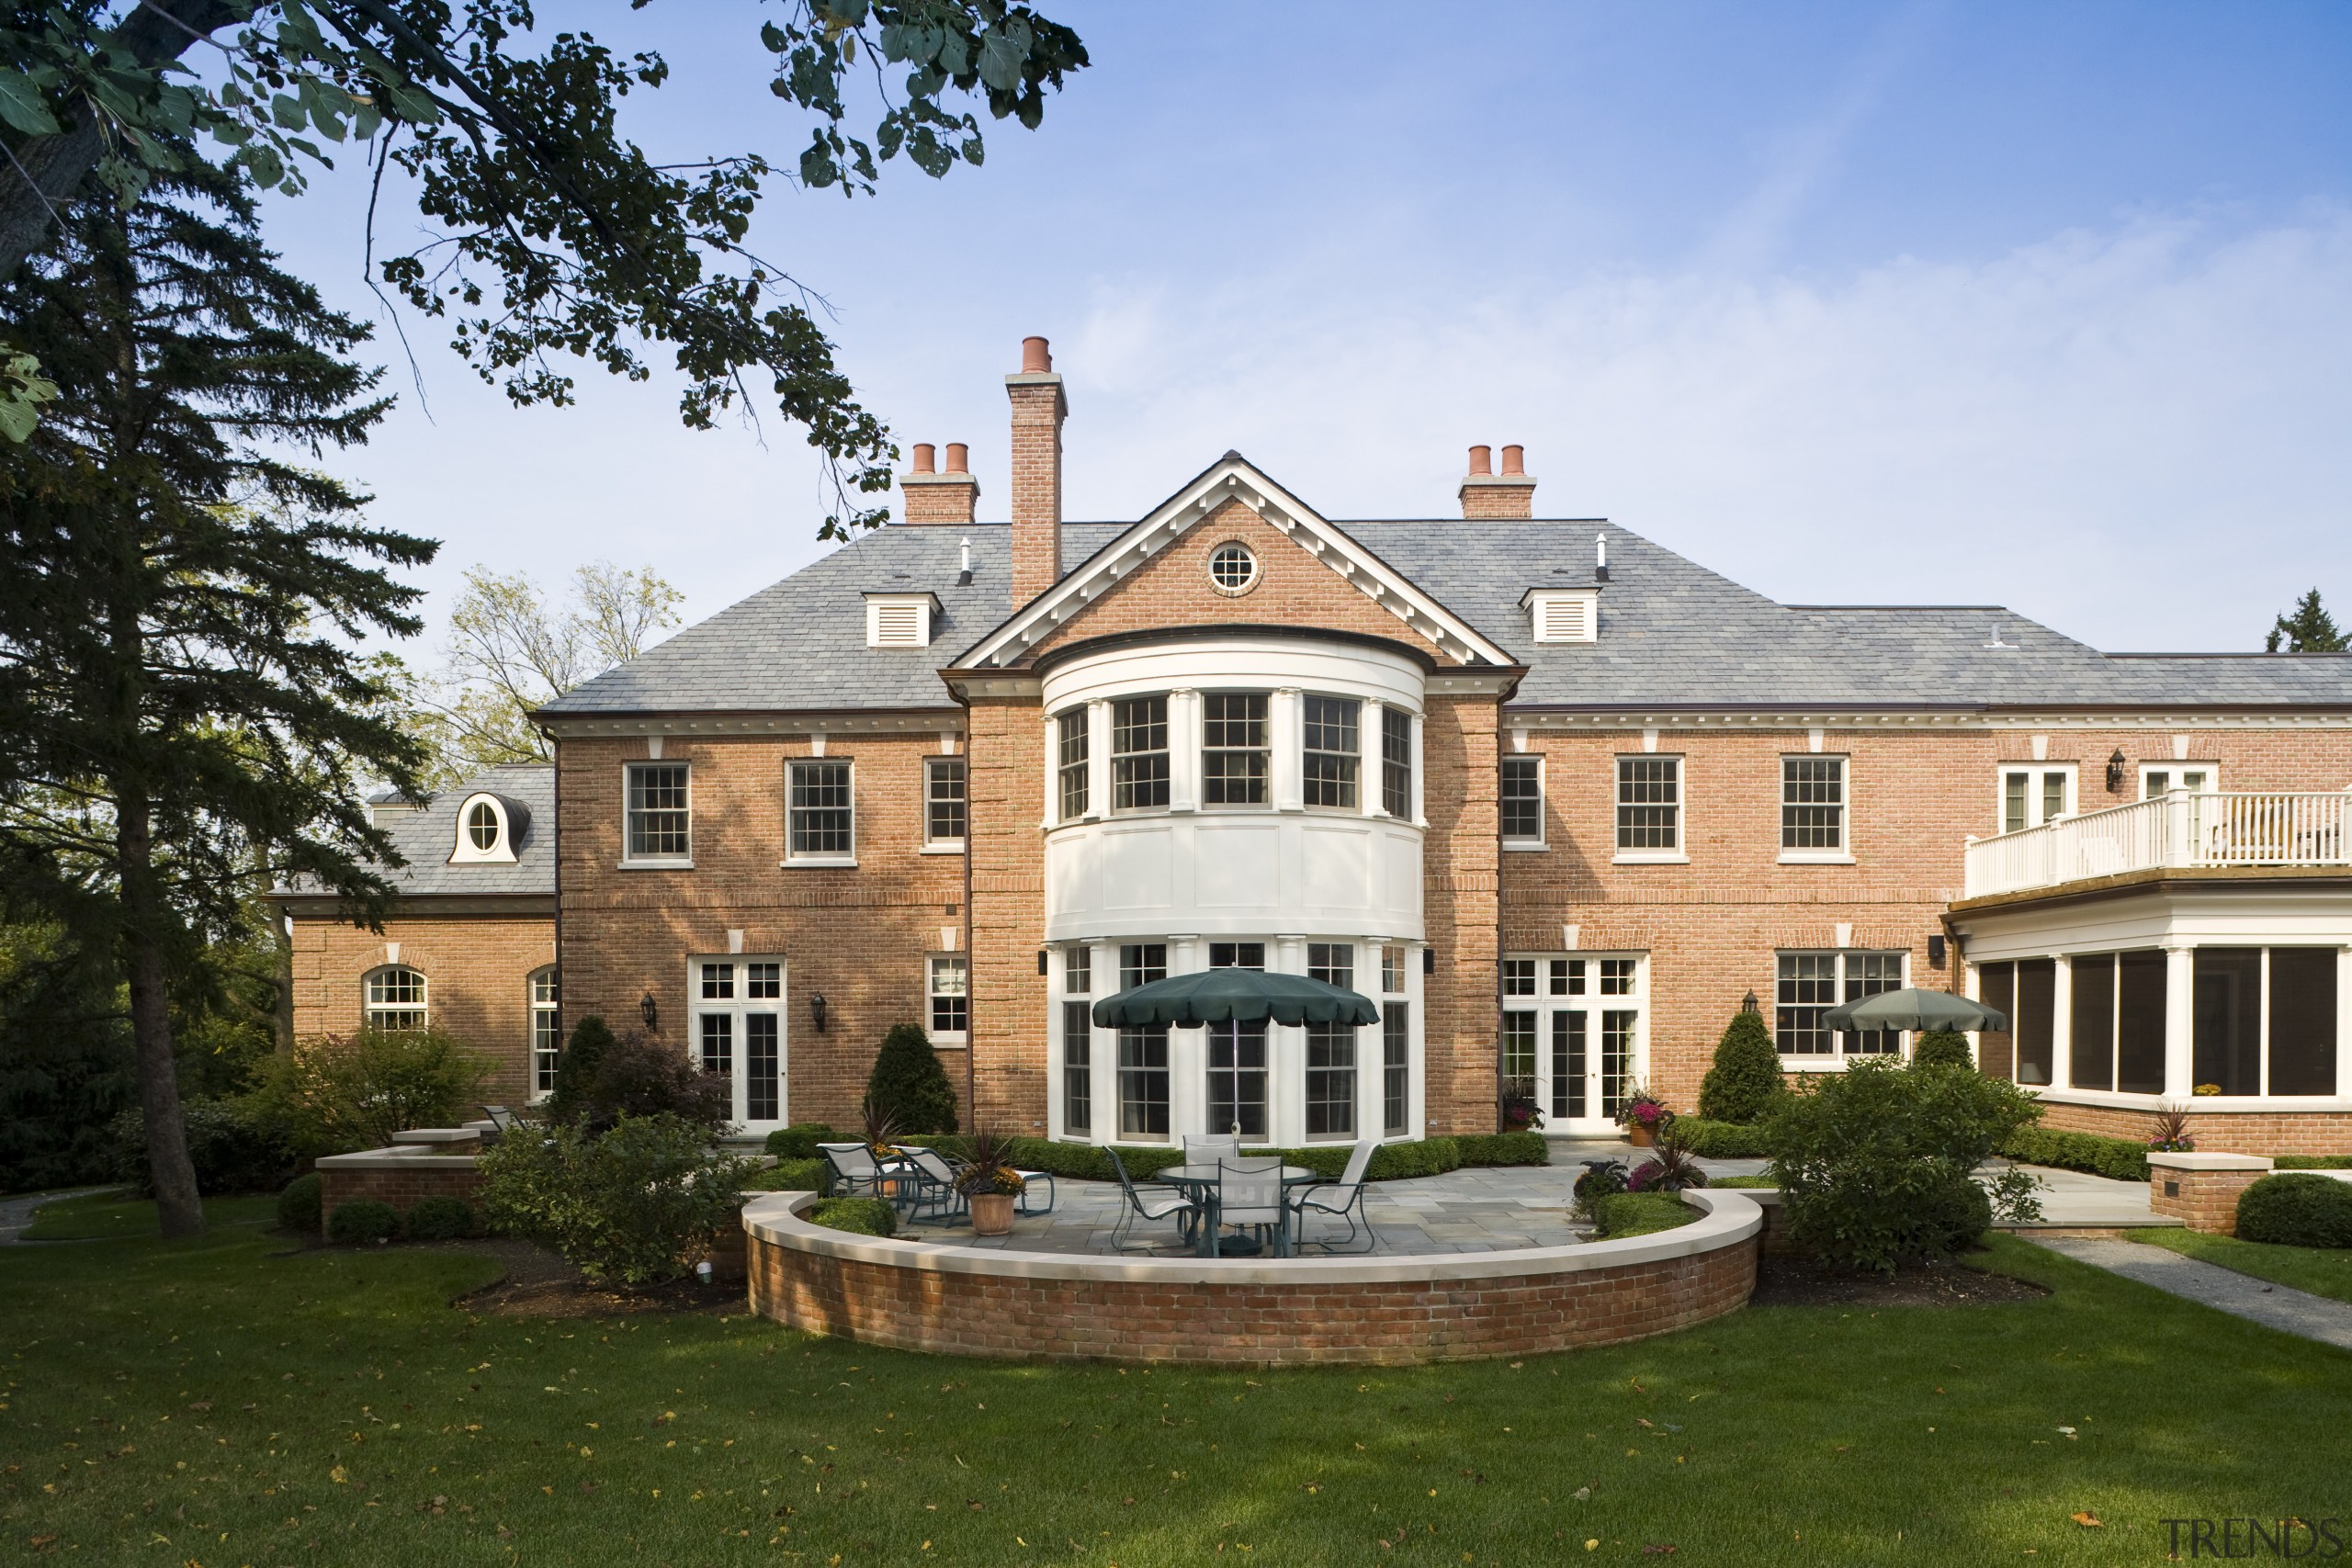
column 17, row 1213
column 2242, row 1295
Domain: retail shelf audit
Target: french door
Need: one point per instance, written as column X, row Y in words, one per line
column 1575, row 1028
column 738, row 1035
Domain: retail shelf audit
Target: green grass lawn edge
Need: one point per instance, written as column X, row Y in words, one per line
column 2322, row 1271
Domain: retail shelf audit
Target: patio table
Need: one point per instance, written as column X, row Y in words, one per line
column 1199, row 1182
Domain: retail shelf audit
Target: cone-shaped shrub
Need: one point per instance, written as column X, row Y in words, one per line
column 910, row 1086
column 1942, row 1048
column 1746, row 1079
column 575, row 1067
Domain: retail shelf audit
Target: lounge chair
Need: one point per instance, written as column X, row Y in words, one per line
column 852, row 1168
column 1137, row 1207
column 1344, row 1198
column 927, row 1187
column 1250, row 1195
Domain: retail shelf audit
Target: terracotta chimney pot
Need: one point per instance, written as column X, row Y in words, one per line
column 1514, row 460
column 1038, row 410
column 931, row 497
column 1488, row 496
column 923, row 457
column 1036, row 356
column 1482, row 460
column 959, row 457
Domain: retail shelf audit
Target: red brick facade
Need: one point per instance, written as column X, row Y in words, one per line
column 2235, row 1132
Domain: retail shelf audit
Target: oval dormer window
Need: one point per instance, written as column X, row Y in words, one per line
column 483, row 824
column 488, row 825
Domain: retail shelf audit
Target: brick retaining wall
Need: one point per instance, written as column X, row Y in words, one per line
column 2280, row 1131
column 394, row 1177
column 2201, row 1190
column 1039, row 1306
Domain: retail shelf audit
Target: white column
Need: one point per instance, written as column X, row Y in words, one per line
column 1183, row 748
column 1051, row 806
column 2180, row 1023
column 1286, row 1054
column 1420, row 768
column 1188, row 1052
column 1286, row 733
column 1098, row 758
column 1374, row 766
column 2062, row 1025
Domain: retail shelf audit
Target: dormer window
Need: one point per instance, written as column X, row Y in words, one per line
column 1564, row 614
column 487, row 828
column 899, row 620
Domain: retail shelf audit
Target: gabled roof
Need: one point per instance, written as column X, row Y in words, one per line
column 1235, row 477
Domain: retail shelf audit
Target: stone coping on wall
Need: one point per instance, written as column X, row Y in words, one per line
column 438, row 1135
column 2215, row 1161
column 1727, row 1218
column 399, row 1156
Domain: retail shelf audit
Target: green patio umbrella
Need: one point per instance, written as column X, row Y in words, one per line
column 1912, row 1008
column 1223, row 996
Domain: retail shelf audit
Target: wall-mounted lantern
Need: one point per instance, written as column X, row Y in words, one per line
column 649, row 1013
column 1747, row 1002
column 817, row 1009
column 2115, row 766
column 1936, row 951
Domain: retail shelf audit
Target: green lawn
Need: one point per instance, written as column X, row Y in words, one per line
column 111, row 1214
column 2323, row 1272
column 227, row 1402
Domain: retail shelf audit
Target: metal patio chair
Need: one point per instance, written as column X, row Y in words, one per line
column 1250, row 1195
column 1135, row 1206
column 1344, row 1198
column 927, row 1187
column 851, row 1168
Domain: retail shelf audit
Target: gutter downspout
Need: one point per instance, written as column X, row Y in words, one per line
column 555, row 853
column 971, row 959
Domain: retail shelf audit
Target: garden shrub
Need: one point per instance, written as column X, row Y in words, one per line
column 1503, row 1148
column 335, row 1094
column 1390, row 1162
column 1639, row 1214
column 1872, row 1160
column 441, row 1217
column 1942, row 1048
column 363, row 1221
column 1601, row 1179
column 1721, row 1140
column 909, row 1084
column 799, row 1141
column 632, row 1076
column 2297, row 1211
column 2314, row 1162
column 575, row 1068
column 1746, row 1079
column 859, row 1216
column 637, row 1203
column 789, row 1176
column 2122, row 1159
column 298, row 1206
column 233, row 1149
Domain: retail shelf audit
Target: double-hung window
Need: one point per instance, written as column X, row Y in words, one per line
column 1143, row 1049
column 1396, row 762
column 1333, row 750
column 1236, row 1068
column 1807, row 984
column 1396, row 1044
column 1524, row 799
column 942, row 803
column 1070, row 763
column 2032, row 795
column 2195, row 777
column 547, row 1038
column 1649, row 807
column 1139, row 753
column 658, row 826
column 1078, row 1041
column 1331, row 1049
column 1813, row 808
column 822, row 820
column 947, row 987
column 1233, row 749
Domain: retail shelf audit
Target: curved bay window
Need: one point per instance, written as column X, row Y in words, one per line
column 1237, row 1055
column 394, row 1000
column 1331, row 1049
column 1143, row 1049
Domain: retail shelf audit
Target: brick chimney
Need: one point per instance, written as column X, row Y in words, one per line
column 1038, row 410
column 1487, row 494
column 947, row 498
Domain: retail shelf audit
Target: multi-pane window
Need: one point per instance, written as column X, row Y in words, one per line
column 736, row 1031
column 717, row 982
column 658, row 814
column 1519, row 976
column 1333, row 750
column 1331, row 1049
column 1233, row 749
column 763, row 1056
column 1568, row 1030
column 1567, row 976
column 1524, row 799
column 1070, row 763
column 943, row 801
column 1519, row 1047
column 481, row 825
column 1397, row 761
column 547, row 1038
column 950, row 1005
column 1807, row 984
column 1649, row 804
column 1143, row 1049
column 764, row 981
column 1396, row 1046
column 1078, row 1041
column 2031, row 795
column 1138, row 753
column 822, row 821
column 395, row 1000
column 2196, row 778
column 1813, row 804
column 719, row 1042
column 1237, row 1064
column 1617, row 975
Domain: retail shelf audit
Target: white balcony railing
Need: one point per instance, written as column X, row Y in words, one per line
column 2177, row 828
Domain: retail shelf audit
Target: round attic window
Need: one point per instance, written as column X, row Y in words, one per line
column 481, row 825
column 1232, row 569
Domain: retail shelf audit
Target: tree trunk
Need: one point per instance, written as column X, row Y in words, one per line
column 281, row 980
column 177, row 1203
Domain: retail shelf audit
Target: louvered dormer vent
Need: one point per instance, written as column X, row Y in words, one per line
column 1564, row 614
column 899, row 620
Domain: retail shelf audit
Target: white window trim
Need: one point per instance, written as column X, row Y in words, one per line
column 534, row 1007
column 800, row 863
column 1837, row 1058
column 2212, row 771
column 931, row 846
column 735, row 1005
column 955, row 1040
column 502, row 849
column 1199, row 740
column 1111, row 755
column 424, row 1008
column 657, row 863
column 1679, row 854
column 2000, row 791
column 1362, row 706
column 1844, row 853
column 1543, row 800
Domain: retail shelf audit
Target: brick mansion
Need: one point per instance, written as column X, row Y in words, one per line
column 1559, row 801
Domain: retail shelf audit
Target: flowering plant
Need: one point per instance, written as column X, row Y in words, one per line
column 1671, row 1170
column 1643, row 1108
column 2208, row 1088
column 990, row 1169
column 1520, row 1112
column 2171, row 1135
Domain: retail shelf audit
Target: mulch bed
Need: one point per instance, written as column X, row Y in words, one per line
column 538, row 1283
column 1807, row 1281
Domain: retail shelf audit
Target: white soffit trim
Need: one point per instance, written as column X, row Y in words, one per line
column 1237, row 479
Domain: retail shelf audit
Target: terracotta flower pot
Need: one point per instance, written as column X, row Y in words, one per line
column 1643, row 1137
column 992, row 1214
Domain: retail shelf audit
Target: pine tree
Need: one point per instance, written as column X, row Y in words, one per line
column 190, row 717
column 1746, row 1077
column 1942, row 1047
column 910, row 1085
column 2311, row 629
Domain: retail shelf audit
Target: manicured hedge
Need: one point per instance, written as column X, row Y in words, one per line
column 1502, row 1148
column 2120, row 1159
column 859, row 1216
column 799, row 1141
column 789, row 1176
column 2297, row 1211
column 2314, row 1162
column 1390, row 1162
column 1639, row 1214
column 442, row 1217
column 363, row 1220
column 1720, row 1140
column 298, row 1206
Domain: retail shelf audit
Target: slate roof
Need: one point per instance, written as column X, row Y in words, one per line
column 1672, row 635
column 425, row 837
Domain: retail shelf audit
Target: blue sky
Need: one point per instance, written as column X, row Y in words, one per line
column 2048, row 306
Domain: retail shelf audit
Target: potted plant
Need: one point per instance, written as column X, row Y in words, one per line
column 1520, row 1112
column 881, row 1138
column 989, row 1184
column 2170, row 1135
column 1641, row 1115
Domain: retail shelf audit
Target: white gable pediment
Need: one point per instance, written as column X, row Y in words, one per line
column 1234, row 478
